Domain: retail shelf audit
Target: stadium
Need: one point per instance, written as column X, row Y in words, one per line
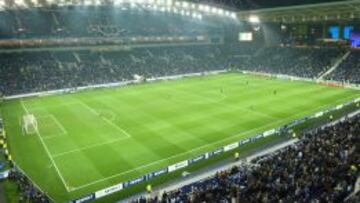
column 179, row 101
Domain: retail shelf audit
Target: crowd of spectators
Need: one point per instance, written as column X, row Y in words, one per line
column 322, row 167
column 27, row 191
column 25, row 72
column 39, row 71
column 302, row 62
column 349, row 70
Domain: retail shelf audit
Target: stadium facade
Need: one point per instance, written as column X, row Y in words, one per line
column 100, row 98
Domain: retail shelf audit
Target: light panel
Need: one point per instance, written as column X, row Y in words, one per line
column 20, row 3
column 185, row 8
column 254, row 19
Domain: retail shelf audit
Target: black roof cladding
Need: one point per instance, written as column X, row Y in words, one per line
column 257, row 4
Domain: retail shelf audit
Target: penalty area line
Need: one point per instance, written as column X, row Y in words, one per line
column 47, row 151
column 104, row 119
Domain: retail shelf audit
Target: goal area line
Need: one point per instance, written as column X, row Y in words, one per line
column 47, row 151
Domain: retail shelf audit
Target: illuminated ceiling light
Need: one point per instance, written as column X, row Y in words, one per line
column 160, row 2
column 35, row 2
column 133, row 4
column 97, row 2
column 182, row 12
column 185, row 4
column 169, row 2
column 193, row 6
column 50, row 2
column 20, row 3
column 2, row 5
column 201, row 7
column 177, row 3
column 214, row 10
column 233, row 15
column 87, row 2
column 254, row 19
column 220, row 12
column 207, row 8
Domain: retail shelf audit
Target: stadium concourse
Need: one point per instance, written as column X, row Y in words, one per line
column 184, row 86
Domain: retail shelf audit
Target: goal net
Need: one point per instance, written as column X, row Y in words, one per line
column 29, row 124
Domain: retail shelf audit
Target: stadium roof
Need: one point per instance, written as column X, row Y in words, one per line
column 257, row 4
column 334, row 11
column 346, row 10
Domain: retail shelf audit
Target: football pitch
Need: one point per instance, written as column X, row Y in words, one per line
column 91, row 140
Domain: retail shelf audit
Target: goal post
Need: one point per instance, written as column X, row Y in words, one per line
column 29, row 124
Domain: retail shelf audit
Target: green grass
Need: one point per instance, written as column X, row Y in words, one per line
column 91, row 140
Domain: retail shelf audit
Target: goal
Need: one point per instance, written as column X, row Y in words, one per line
column 29, row 124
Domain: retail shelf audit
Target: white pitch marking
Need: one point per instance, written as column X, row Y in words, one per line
column 104, row 119
column 89, row 147
column 190, row 151
column 64, row 132
column 47, row 150
column 59, row 124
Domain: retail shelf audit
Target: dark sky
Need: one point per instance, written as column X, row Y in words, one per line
column 255, row 4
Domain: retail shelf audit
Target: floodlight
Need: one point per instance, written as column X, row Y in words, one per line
column 19, row 3
column 97, row 2
column 207, row 8
column 35, row 2
column 254, row 19
column 214, row 10
column 185, row 4
column 118, row 2
column 87, row 2
column 50, row 2
column 220, row 11
column 160, row 2
column 233, row 15
column 169, row 2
